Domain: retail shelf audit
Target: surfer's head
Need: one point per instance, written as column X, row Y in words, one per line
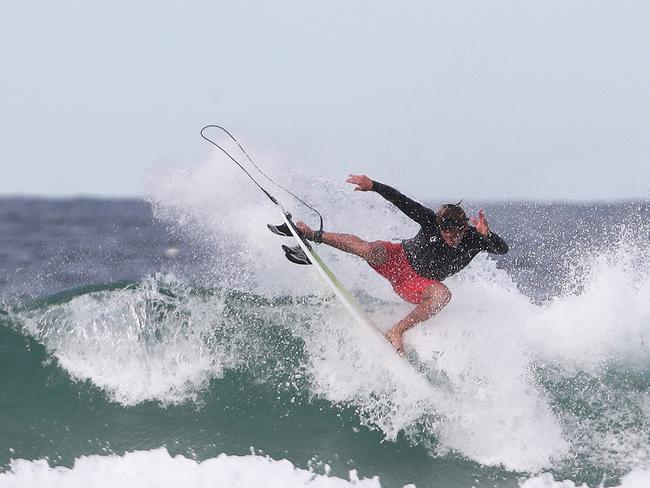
column 452, row 221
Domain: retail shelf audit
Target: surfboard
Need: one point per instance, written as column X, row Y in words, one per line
column 352, row 306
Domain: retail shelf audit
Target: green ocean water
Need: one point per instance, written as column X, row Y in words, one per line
column 263, row 402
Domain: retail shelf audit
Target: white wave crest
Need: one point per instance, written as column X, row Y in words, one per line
column 137, row 343
column 157, row 468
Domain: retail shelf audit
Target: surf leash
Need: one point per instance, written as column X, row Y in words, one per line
column 250, row 159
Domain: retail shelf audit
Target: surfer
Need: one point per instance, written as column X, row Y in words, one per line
column 416, row 267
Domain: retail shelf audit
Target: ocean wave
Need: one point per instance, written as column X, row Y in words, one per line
column 515, row 384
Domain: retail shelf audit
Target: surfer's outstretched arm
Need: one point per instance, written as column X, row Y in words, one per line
column 414, row 210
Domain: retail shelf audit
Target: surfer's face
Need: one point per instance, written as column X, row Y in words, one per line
column 453, row 235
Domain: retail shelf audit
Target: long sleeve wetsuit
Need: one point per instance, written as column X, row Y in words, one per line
column 427, row 252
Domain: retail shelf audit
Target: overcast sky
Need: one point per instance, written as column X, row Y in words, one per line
column 488, row 99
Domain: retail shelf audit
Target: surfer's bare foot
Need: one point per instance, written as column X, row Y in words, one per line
column 305, row 231
column 395, row 338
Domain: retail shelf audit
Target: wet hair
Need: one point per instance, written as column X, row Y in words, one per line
column 451, row 215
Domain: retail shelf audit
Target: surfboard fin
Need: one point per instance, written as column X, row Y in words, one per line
column 295, row 255
column 281, row 230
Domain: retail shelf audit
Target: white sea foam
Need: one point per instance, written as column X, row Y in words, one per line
column 157, row 468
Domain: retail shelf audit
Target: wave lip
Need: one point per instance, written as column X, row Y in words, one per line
column 141, row 343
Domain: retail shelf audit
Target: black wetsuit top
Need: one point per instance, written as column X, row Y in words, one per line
column 427, row 252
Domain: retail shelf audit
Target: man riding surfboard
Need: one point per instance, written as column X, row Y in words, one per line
column 416, row 267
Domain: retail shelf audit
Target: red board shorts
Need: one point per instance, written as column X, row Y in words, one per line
column 398, row 271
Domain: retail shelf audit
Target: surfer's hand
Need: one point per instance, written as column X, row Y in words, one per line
column 362, row 181
column 481, row 223
column 305, row 231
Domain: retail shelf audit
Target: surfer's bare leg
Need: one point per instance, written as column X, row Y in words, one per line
column 373, row 252
column 434, row 299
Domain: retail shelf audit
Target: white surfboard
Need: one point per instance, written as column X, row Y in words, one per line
column 379, row 341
